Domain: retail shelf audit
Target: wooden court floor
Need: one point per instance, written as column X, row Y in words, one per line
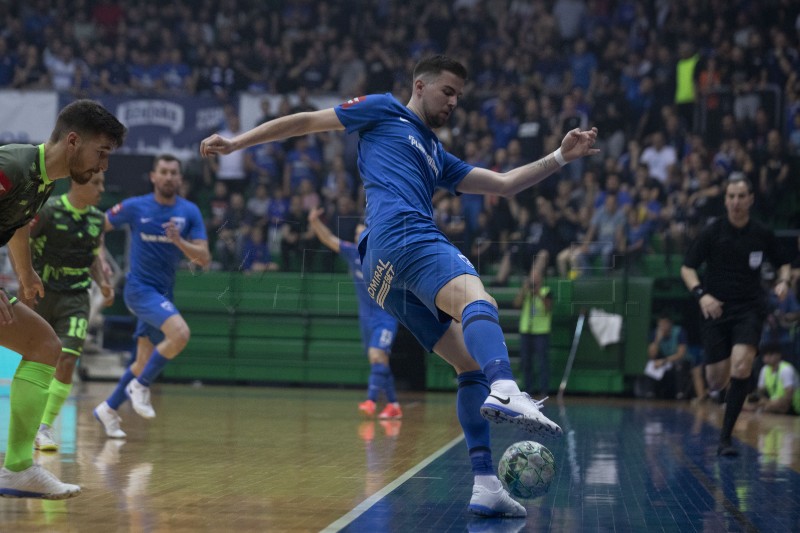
column 275, row 459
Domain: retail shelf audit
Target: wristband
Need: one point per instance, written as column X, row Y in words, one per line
column 559, row 158
column 698, row 292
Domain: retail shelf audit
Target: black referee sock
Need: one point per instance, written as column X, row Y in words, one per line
column 734, row 400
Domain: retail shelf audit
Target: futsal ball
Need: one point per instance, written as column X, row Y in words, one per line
column 526, row 469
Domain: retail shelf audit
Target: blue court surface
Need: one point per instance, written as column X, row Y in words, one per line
column 626, row 467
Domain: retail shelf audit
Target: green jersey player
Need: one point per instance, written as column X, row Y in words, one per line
column 66, row 238
column 79, row 146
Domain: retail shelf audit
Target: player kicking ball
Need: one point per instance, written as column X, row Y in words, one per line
column 411, row 268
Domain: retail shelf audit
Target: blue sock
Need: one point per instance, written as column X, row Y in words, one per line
column 377, row 380
column 484, row 339
column 153, row 368
column 119, row 396
column 473, row 388
column 391, row 393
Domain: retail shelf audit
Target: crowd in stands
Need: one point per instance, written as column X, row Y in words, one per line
column 684, row 93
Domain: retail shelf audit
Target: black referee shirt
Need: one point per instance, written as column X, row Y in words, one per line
column 733, row 258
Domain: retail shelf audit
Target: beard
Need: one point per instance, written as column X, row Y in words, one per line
column 167, row 191
column 81, row 177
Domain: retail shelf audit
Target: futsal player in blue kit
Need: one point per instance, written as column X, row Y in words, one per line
column 411, row 269
column 164, row 228
column 378, row 328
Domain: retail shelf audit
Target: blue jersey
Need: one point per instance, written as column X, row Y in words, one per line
column 153, row 257
column 368, row 310
column 402, row 163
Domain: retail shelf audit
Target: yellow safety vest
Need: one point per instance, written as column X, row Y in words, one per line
column 535, row 319
column 684, row 84
column 774, row 385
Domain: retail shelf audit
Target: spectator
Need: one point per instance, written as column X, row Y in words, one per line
column 667, row 372
column 8, row 65
column 303, row 162
column 29, row 72
column 605, row 236
column 535, row 325
column 659, row 157
column 255, row 255
column 230, row 168
column 778, row 385
column 258, row 204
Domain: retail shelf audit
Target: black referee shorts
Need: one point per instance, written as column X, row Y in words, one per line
column 739, row 324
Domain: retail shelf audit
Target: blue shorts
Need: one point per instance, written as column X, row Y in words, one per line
column 151, row 308
column 379, row 334
column 404, row 280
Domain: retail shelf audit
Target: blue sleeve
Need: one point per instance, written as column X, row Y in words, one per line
column 197, row 228
column 123, row 213
column 349, row 252
column 453, row 171
column 362, row 112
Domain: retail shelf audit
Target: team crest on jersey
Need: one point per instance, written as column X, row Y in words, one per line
column 116, row 209
column 180, row 222
column 353, row 101
column 5, row 183
column 755, row 259
column 167, row 306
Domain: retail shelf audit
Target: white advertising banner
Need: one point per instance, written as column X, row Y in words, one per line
column 27, row 116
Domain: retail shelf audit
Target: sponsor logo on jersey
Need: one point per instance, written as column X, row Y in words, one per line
column 353, row 101
column 5, row 183
column 381, row 282
column 431, row 161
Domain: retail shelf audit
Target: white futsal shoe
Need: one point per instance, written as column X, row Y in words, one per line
column 519, row 409
column 35, row 482
column 140, row 399
column 499, row 503
column 110, row 421
column 45, row 440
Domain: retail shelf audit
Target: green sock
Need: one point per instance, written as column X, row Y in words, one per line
column 59, row 392
column 29, row 391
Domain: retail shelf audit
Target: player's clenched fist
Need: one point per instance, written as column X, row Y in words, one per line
column 215, row 144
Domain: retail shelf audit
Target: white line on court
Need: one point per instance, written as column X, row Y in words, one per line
column 362, row 507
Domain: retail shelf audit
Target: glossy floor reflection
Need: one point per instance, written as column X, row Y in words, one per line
column 271, row 459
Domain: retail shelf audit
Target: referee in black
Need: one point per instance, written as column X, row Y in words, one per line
column 731, row 297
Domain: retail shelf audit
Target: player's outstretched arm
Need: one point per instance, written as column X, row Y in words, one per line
column 280, row 128
column 322, row 232
column 576, row 144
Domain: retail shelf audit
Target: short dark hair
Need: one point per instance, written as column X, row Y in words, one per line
column 771, row 347
column 87, row 117
column 735, row 178
column 438, row 64
column 167, row 158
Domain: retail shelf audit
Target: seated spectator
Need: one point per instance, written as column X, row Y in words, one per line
column 219, row 204
column 605, row 236
column 303, row 162
column 485, row 248
column 778, row 385
column 637, row 237
column 258, row 204
column 781, row 324
column 255, row 255
column 667, row 370
column 295, row 236
column 264, row 163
